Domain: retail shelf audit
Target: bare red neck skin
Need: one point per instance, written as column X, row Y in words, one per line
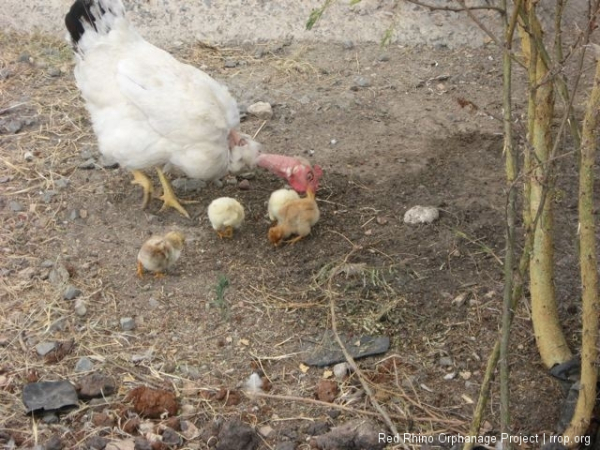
column 280, row 165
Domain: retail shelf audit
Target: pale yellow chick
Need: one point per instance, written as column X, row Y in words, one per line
column 225, row 215
column 297, row 217
column 279, row 198
column 159, row 253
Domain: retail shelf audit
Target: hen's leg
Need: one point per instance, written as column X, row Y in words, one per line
column 169, row 198
column 142, row 179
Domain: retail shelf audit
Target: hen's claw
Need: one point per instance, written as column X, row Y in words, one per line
column 293, row 241
column 169, row 198
column 142, row 179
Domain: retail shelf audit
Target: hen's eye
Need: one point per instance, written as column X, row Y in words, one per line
column 310, row 176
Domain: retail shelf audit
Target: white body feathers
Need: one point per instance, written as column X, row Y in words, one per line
column 149, row 109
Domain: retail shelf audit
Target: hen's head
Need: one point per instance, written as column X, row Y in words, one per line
column 304, row 177
column 298, row 172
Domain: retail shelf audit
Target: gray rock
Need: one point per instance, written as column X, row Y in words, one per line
column 59, row 275
column 48, row 195
column 80, row 308
column 362, row 82
column 54, row 443
column 48, row 396
column 46, row 264
column 189, row 371
column 107, row 163
column 327, row 351
column 421, row 214
column 71, row 292
column 74, row 215
column 187, row 185
column 15, row 206
column 84, row 365
column 231, row 63
column 446, row 361
column 24, row 57
column 54, row 72
column 11, row 126
column 88, row 164
column 153, row 303
column 50, row 418
column 261, row 110
column 383, row 57
column 28, row 156
column 62, row 183
column 127, row 323
column 348, row 45
column 43, row 348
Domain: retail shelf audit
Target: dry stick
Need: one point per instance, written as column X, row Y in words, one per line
column 310, row 401
column 453, row 9
column 511, row 215
column 361, row 377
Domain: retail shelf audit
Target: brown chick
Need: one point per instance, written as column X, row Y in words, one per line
column 159, row 253
column 297, row 217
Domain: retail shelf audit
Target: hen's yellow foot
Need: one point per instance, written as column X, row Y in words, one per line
column 140, row 270
column 142, row 179
column 158, row 275
column 226, row 233
column 169, row 198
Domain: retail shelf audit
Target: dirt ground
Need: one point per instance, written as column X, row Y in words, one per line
column 392, row 128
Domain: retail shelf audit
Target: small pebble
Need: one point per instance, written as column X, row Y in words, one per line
column 348, row 45
column 153, row 303
column 244, row 185
column 43, row 348
column 88, row 164
column 127, row 323
column 28, row 156
column 62, row 183
column 71, row 292
column 261, row 110
column 54, row 72
column 84, row 365
column 446, row 361
column 50, row 418
column 16, row 206
column 231, row 63
column 24, row 57
column 54, row 443
column 421, row 214
column 362, row 82
column 80, row 308
column 383, row 58
column 48, row 195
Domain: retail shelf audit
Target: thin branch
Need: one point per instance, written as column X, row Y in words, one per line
column 455, row 9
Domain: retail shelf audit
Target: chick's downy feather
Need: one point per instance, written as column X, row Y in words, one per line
column 297, row 217
column 225, row 212
column 160, row 253
column 277, row 199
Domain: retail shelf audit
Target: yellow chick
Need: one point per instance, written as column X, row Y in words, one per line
column 159, row 253
column 298, row 217
column 225, row 214
column 279, row 198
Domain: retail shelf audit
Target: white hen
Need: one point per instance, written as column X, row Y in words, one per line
column 148, row 109
column 225, row 215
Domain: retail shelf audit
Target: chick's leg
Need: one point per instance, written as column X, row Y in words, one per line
column 140, row 270
column 142, row 179
column 293, row 241
column 169, row 198
column 227, row 232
